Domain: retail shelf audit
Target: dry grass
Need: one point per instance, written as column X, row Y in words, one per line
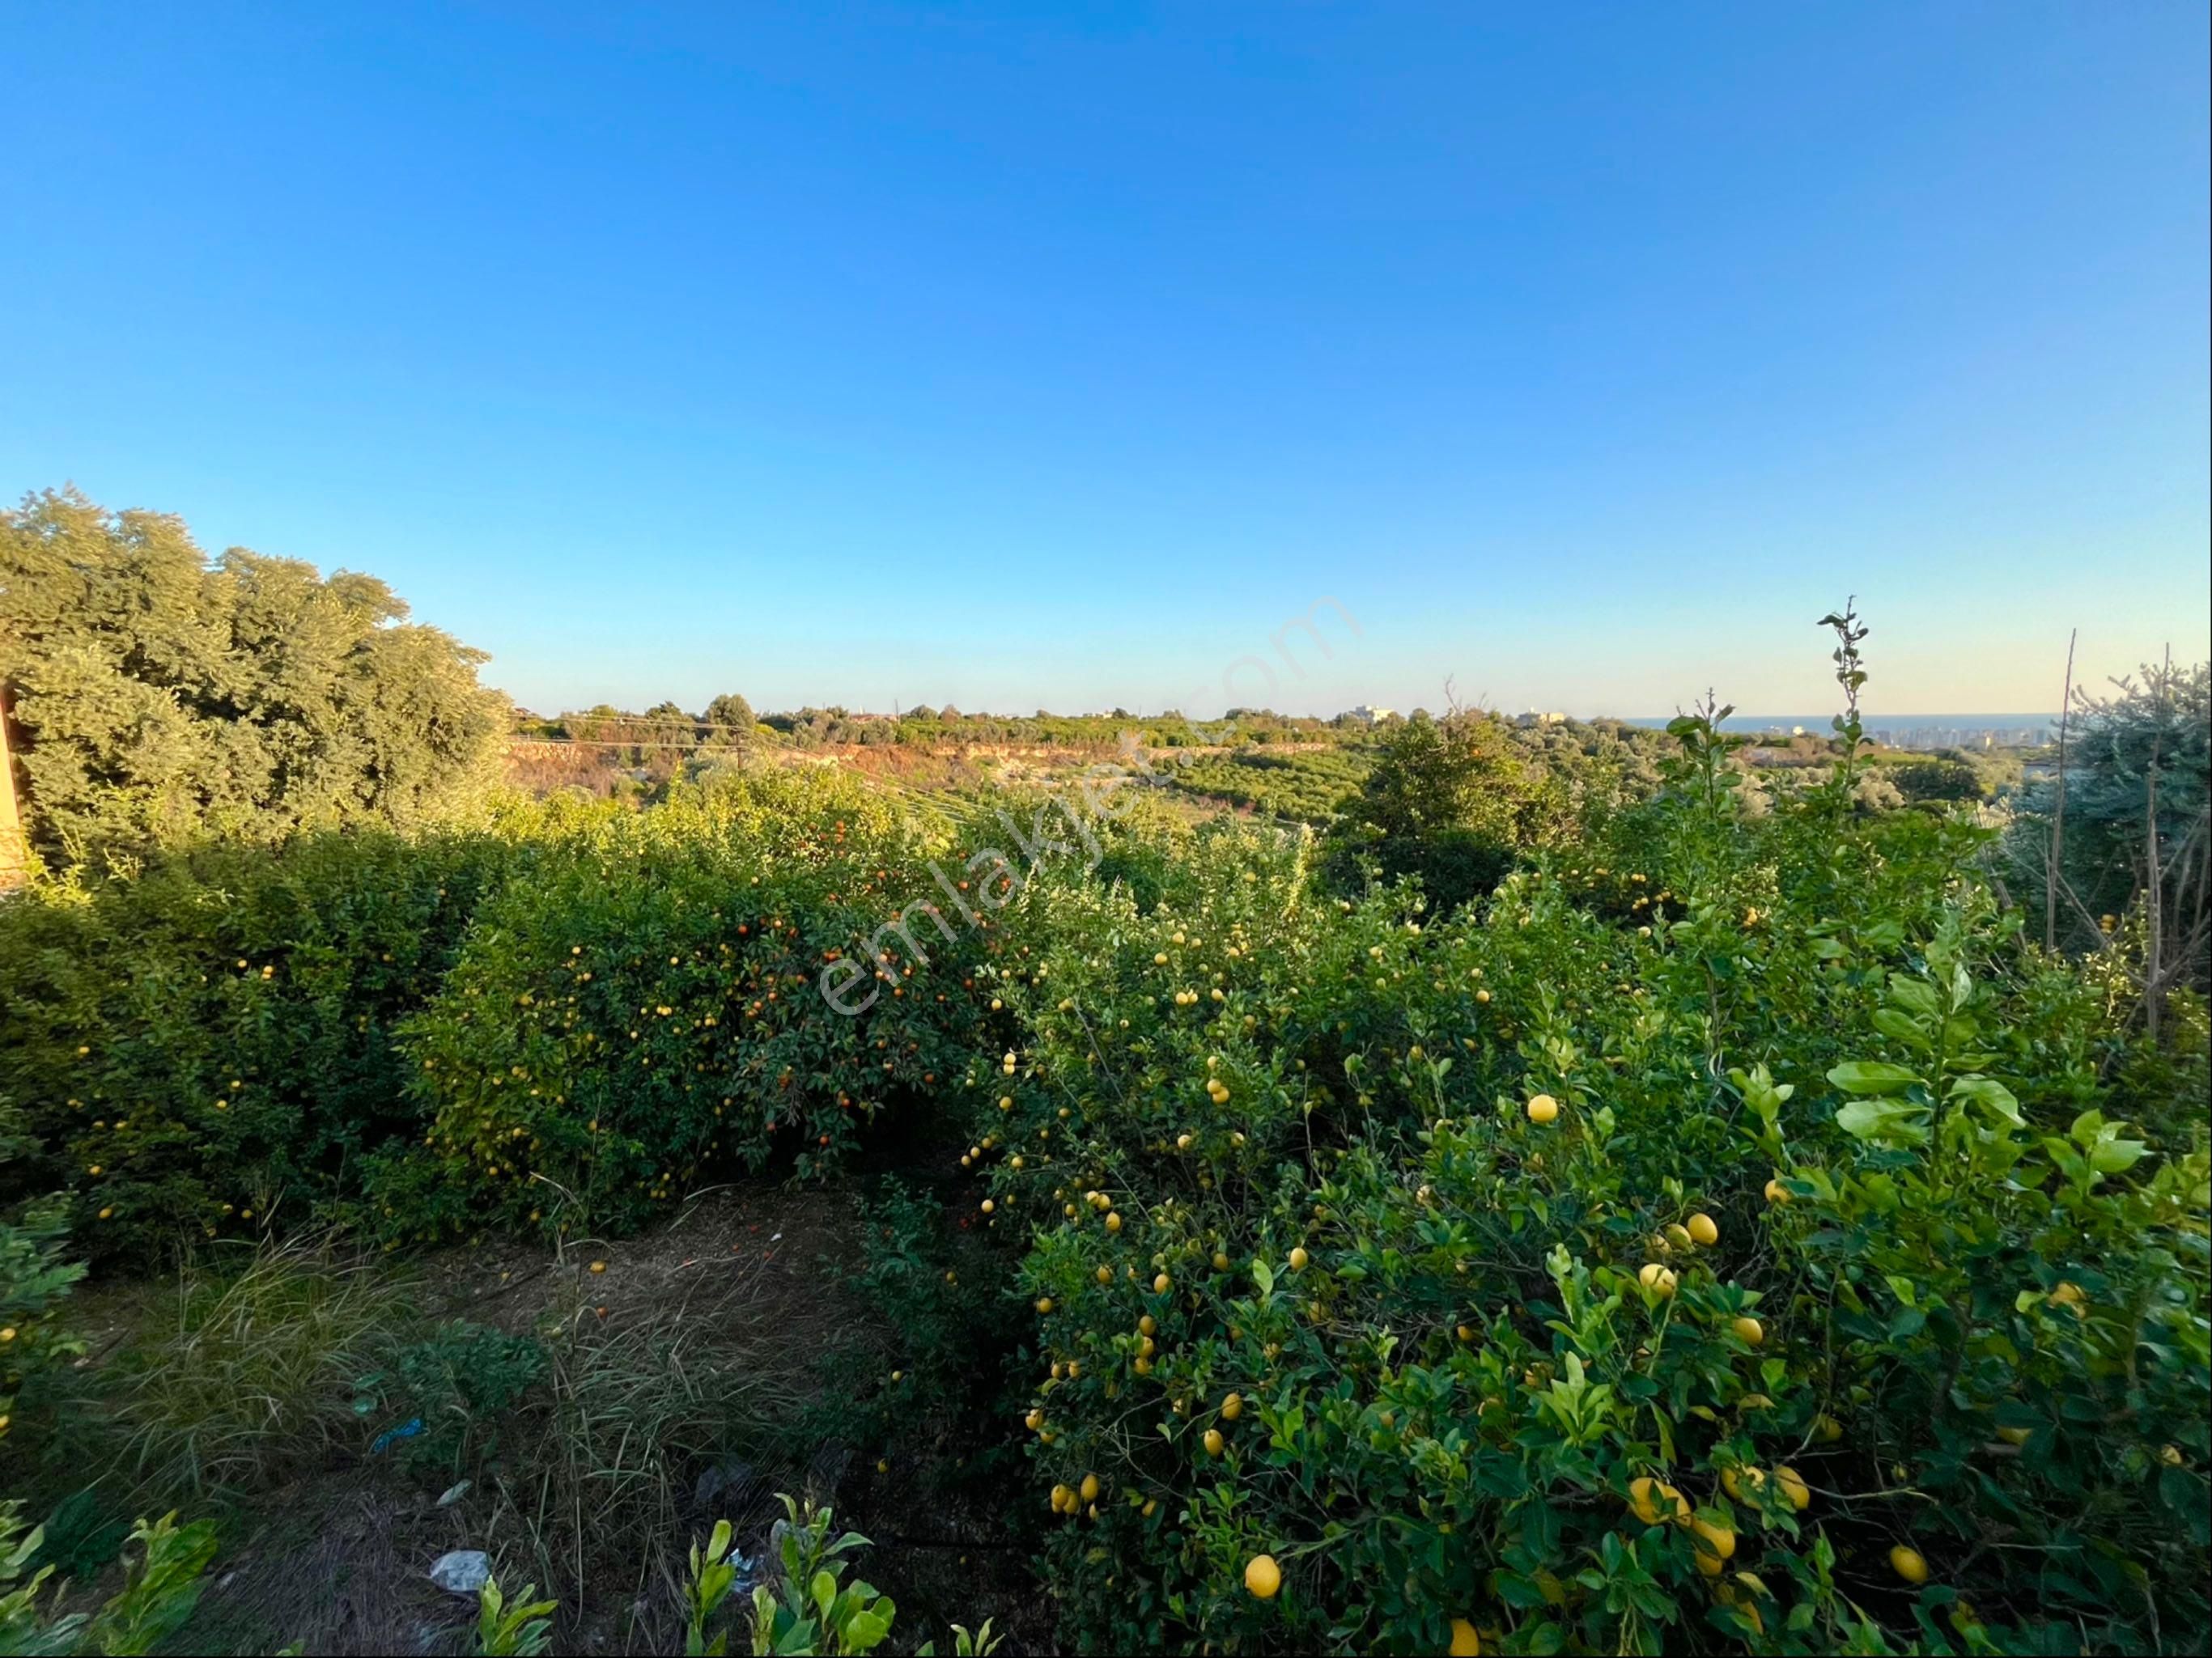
column 699, row 1350
column 249, row 1376
column 698, row 1362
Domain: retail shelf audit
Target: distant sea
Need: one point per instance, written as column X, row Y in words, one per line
column 1899, row 726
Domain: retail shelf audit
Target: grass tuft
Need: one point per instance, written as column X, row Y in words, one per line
column 252, row 1375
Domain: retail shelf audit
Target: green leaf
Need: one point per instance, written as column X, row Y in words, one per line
column 1872, row 1076
column 1914, row 996
column 1899, row 1027
column 1891, row 1120
column 1991, row 1096
column 2113, row 1156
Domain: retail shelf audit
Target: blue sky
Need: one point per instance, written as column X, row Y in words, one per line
column 1021, row 356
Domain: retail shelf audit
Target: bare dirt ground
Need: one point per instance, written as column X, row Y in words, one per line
column 751, row 1288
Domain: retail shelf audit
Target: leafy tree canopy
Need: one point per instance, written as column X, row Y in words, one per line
column 732, row 711
column 161, row 698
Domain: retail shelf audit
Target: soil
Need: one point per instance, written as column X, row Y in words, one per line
column 338, row 1561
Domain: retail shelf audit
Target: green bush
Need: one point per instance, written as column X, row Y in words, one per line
column 647, row 1009
column 34, row 1283
column 160, row 1590
column 1676, row 1224
column 212, row 1042
column 460, row 1381
column 1451, row 1234
column 1937, row 780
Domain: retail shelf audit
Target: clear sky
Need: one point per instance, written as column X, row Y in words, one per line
column 1057, row 355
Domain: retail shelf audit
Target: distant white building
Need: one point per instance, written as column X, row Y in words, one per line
column 1373, row 716
column 1533, row 718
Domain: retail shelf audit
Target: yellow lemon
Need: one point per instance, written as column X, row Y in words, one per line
column 1232, row 1408
column 1654, row 1276
column 1653, row 1500
column 1794, row 1487
column 1750, row 1329
column 1704, row 1230
column 1908, row 1563
column 1089, row 1488
column 1465, row 1642
column 1714, row 1540
column 1262, row 1577
column 1298, row 1259
column 1543, row 1108
column 1214, row 1441
column 1776, row 1192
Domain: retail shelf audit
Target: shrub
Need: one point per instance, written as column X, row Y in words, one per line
column 1400, row 1253
column 1937, row 780
column 647, row 1008
column 161, row 1589
column 35, row 1282
column 460, row 1381
column 810, row 1609
column 214, row 1039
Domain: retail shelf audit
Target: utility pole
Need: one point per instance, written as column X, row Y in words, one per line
column 15, row 861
